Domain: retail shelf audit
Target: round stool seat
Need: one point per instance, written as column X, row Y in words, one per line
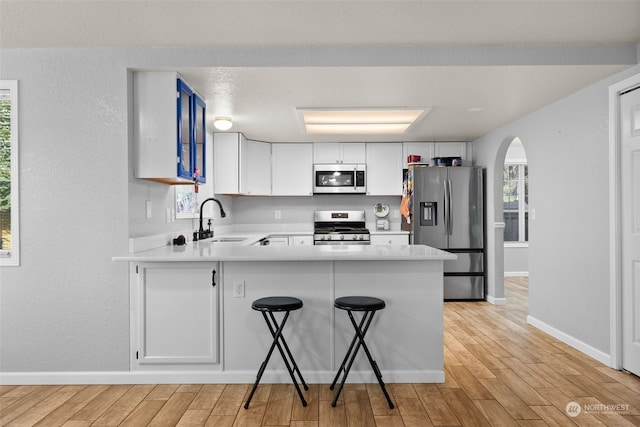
column 277, row 304
column 359, row 303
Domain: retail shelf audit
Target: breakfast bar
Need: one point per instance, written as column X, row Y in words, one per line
column 191, row 316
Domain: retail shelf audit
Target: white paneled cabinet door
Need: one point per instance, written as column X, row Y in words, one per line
column 354, row 152
column 384, row 169
column 423, row 149
column 339, row 152
column 451, row 149
column 226, row 162
column 291, row 169
column 390, row 239
column 255, row 169
column 630, row 197
column 176, row 312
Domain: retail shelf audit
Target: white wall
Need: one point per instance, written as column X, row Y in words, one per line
column 516, row 260
column 66, row 308
column 567, row 150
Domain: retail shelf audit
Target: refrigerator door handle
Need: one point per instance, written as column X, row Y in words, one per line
column 449, row 210
column 446, row 206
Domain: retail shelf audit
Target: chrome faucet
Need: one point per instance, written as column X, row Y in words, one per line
column 202, row 233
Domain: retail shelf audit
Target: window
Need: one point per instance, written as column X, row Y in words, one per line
column 9, row 242
column 515, row 196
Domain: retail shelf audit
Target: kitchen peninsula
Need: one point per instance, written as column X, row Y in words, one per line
column 191, row 316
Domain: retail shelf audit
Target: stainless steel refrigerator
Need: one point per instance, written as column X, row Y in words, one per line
column 447, row 212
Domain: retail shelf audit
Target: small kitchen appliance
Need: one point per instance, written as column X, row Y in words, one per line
column 340, row 178
column 340, row 228
column 381, row 211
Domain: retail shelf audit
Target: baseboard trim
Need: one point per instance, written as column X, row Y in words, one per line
column 210, row 377
column 516, row 274
column 590, row 351
column 496, row 301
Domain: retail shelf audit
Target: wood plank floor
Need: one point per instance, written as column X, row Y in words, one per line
column 499, row 371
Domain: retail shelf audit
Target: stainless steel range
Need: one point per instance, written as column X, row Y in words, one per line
column 340, row 228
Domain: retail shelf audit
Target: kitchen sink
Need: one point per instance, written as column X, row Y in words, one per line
column 227, row 239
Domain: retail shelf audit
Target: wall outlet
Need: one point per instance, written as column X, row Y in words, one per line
column 147, row 209
column 278, row 215
column 238, row 289
column 396, row 213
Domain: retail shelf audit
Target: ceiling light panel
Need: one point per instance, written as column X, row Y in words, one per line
column 356, row 128
column 360, row 121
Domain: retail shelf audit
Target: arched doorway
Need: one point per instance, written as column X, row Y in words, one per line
column 515, row 196
column 496, row 210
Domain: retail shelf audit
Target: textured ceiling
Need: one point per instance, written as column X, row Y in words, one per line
column 506, row 58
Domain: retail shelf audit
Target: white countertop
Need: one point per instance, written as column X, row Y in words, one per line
column 208, row 250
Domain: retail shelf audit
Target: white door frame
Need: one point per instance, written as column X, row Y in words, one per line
column 615, row 219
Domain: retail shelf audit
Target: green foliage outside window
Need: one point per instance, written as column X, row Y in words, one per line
column 5, row 173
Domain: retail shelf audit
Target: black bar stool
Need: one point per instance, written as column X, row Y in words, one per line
column 368, row 305
column 268, row 306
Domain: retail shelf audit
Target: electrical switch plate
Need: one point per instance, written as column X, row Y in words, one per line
column 238, row 289
column 278, row 215
column 147, row 209
column 167, row 216
column 396, row 213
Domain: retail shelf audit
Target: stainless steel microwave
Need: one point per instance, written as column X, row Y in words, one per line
column 340, row 178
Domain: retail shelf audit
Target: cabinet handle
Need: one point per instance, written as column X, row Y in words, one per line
column 213, row 278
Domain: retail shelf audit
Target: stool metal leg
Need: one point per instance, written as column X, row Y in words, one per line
column 360, row 333
column 293, row 361
column 346, row 357
column 276, row 333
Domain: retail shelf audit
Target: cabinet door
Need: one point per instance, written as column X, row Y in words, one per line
column 389, row 239
column 423, row 149
column 292, row 169
column 185, row 119
column 199, row 139
column 226, row 162
column 384, row 169
column 451, row 149
column 339, row 152
column 255, row 168
column 177, row 313
column 301, row 240
column 354, row 152
column 326, row 152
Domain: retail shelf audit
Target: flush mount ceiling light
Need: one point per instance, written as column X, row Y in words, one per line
column 343, row 121
column 222, row 123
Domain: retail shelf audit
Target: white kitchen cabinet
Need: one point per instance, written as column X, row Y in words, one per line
column 301, row 240
column 241, row 166
column 339, row 152
column 255, row 169
column 451, row 149
column 390, row 239
column 291, row 169
column 174, row 315
column 425, row 150
column 384, row 169
column 429, row 150
column 168, row 129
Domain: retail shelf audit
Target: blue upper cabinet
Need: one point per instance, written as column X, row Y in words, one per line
column 199, row 137
column 191, row 134
column 169, row 129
